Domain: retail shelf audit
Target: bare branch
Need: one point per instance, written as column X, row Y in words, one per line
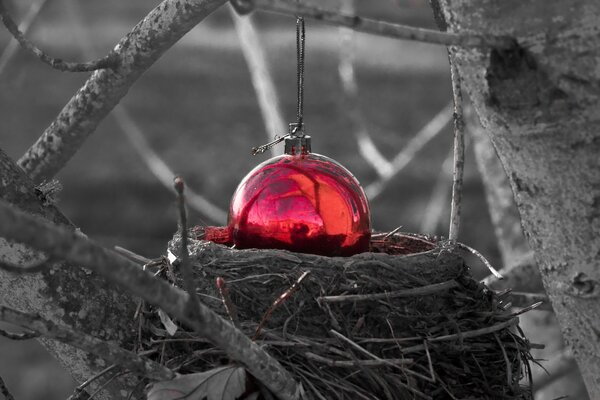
column 24, row 26
column 459, row 152
column 185, row 267
column 438, row 200
column 408, row 153
column 106, row 350
column 4, row 391
column 133, row 132
column 109, row 61
column 523, row 275
column 63, row 243
column 290, row 7
column 261, row 76
column 138, row 50
column 159, row 168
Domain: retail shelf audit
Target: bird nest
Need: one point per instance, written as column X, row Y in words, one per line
column 381, row 325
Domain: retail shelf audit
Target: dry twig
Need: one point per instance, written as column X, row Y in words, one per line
column 418, row 291
column 109, row 61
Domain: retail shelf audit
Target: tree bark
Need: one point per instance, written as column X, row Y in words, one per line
column 61, row 293
column 539, row 103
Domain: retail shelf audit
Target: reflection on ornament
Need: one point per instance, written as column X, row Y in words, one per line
column 301, row 202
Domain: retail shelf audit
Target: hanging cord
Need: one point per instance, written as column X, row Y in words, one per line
column 300, row 50
column 296, row 129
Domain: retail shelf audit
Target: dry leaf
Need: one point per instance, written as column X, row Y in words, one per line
column 167, row 322
column 224, row 383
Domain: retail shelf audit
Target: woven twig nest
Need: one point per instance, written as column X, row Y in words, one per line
column 371, row 326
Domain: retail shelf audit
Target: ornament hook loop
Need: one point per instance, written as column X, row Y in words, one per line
column 262, row 148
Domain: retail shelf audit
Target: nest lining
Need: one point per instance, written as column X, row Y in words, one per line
column 370, row 326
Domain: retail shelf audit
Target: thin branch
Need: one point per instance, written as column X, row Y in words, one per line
column 109, row 61
column 350, row 98
column 24, row 26
column 438, row 200
column 459, row 152
column 524, row 299
column 480, row 256
column 418, row 291
column 290, row 7
column 159, row 168
column 185, row 266
column 4, row 391
column 521, row 276
column 132, row 131
column 106, row 350
column 79, row 389
column 379, row 362
column 476, row 332
column 66, row 244
column 407, row 154
column 262, row 79
column 138, row 50
column 278, row 302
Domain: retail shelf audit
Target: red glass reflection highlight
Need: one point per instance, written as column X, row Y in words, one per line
column 304, row 203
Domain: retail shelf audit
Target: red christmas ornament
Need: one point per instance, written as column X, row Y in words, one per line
column 301, row 202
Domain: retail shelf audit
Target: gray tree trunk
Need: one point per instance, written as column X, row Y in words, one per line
column 540, row 104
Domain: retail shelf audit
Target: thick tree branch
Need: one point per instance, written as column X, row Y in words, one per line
column 138, row 50
column 63, row 243
column 106, row 350
column 109, row 61
column 291, row 7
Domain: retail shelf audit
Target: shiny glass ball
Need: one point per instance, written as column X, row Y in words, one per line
column 306, row 203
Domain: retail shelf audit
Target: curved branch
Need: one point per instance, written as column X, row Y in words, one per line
column 138, row 50
column 109, row 61
column 24, row 26
column 63, row 243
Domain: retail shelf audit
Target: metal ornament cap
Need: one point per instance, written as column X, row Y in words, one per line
column 302, row 202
